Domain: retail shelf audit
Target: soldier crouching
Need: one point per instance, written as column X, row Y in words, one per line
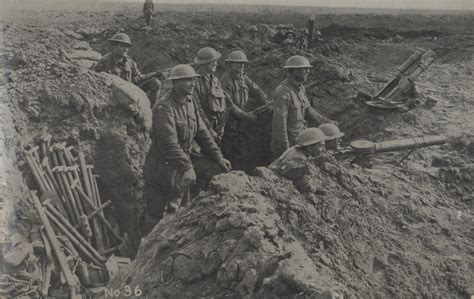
column 170, row 166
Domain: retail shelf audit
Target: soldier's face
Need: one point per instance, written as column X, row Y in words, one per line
column 210, row 67
column 300, row 75
column 120, row 49
column 184, row 87
column 316, row 149
column 332, row 144
column 236, row 67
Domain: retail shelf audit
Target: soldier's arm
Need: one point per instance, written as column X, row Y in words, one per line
column 205, row 140
column 279, row 124
column 229, row 92
column 136, row 75
column 256, row 92
column 314, row 116
column 198, row 96
column 164, row 130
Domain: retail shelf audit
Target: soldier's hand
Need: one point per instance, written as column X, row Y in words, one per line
column 251, row 117
column 189, row 178
column 224, row 163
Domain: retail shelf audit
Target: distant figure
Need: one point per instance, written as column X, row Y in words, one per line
column 303, row 42
column 148, row 11
column 279, row 37
column 310, row 25
column 290, row 34
column 253, row 31
column 289, row 44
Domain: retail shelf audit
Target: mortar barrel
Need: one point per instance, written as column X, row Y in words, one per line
column 413, row 57
column 409, row 143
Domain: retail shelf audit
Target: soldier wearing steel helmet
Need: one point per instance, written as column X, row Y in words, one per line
column 333, row 136
column 118, row 63
column 171, row 167
column 209, row 93
column 253, row 32
column 302, row 41
column 292, row 107
column 309, row 143
column 243, row 93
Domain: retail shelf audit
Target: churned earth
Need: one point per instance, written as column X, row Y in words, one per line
column 326, row 229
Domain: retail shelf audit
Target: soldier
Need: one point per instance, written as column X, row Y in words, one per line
column 120, row 64
column 290, row 34
column 240, row 88
column 279, row 37
column 289, row 45
column 210, row 94
column 310, row 143
column 170, row 166
column 253, row 31
column 333, row 136
column 291, row 106
column 148, row 11
column 303, row 40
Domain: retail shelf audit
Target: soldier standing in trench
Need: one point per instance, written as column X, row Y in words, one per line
column 209, row 93
column 118, row 63
column 171, row 166
column 292, row 107
column 236, row 143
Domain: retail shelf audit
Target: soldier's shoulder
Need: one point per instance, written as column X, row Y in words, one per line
column 282, row 90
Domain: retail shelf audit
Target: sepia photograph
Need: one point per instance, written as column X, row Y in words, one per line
column 319, row 149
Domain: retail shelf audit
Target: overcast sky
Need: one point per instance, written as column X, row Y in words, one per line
column 399, row 4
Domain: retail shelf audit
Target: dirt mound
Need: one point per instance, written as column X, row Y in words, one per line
column 264, row 237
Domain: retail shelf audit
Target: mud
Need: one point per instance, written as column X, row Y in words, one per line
column 372, row 230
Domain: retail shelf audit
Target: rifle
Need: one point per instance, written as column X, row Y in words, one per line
column 392, row 95
column 146, row 78
column 362, row 148
column 262, row 109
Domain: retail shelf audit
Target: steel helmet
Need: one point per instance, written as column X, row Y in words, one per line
column 253, row 28
column 297, row 62
column 290, row 31
column 206, row 55
column 331, row 131
column 318, row 33
column 305, row 30
column 121, row 38
column 310, row 136
column 182, row 71
column 288, row 41
column 236, row 56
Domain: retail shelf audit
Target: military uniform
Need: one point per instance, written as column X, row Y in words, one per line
column 127, row 69
column 213, row 104
column 237, row 141
column 291, row 109
column 176, row 125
